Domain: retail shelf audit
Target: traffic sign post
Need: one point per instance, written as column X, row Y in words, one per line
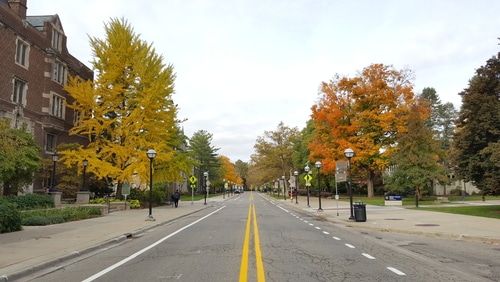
column 125, row 191
column 193, row 180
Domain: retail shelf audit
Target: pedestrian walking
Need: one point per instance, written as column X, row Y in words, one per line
column 176, row 197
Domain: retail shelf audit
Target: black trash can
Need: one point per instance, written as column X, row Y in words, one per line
column 360, row 212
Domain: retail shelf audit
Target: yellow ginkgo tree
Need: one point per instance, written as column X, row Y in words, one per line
column 126, row 110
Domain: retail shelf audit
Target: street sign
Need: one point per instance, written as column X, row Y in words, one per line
column 340, row 173
column 340, row 177
column 193, row 186
column 126, row 188
column 193, row 179
column 308, row 177
column 208, row 183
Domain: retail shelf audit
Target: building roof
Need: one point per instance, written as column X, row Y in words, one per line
column 38, row 21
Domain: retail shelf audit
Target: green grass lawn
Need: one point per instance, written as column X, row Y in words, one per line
column 484, row 211
column 429, row 204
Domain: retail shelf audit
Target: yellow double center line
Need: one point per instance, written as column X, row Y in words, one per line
column 258, row 255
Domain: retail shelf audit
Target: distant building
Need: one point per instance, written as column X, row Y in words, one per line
column 34, row 67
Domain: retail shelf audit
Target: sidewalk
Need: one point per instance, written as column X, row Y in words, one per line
column 410, row 220
column 41, row 247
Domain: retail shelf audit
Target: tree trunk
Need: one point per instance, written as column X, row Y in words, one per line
column 369, row 183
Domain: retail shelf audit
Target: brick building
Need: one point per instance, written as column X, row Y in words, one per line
column 34, row 66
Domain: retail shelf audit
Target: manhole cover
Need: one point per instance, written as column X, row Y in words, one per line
column 426, row 224
column 393, row 219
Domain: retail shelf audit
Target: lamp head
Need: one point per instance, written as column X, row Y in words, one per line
column 55, row 157
column 151, row 154
column 318, row 164
column 349, row 153
column 85, row 162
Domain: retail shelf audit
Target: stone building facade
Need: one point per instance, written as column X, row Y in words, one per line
column 34, row 67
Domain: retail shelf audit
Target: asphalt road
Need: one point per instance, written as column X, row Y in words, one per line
column 252, row 238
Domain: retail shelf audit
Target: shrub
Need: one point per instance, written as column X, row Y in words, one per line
column 159, row 195
column 35, row 221
column 54, row 216
column 31, row 201
column 456, row 192
column 99, row 201
column 135, row 204
column 10, row 219
column 55, row 219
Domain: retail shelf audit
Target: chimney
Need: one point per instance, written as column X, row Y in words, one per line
column 19, row 7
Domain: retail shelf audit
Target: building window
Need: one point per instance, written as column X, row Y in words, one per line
column 56, row 40
column 50, row 143
column 22, row 52
column 59, row 72
column 57, row 108
column 19, row 91
column 77, row 118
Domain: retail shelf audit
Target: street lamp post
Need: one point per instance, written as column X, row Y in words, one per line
column 84, row 184
column 284, row 187
column 349, row 153
column 296, row 174
column 307, row 170
column 278, row 180
column 318, row 166
column 224, row 183
column 205, row 177
column 151, row 155
column 55, row 157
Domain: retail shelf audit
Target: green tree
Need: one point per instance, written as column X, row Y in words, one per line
column 274, row 151
column 301, row 153
column 241, row 169
column 442, row 123
column 415, row 161
column 19, row 158
column 475, row 144
column 127, row 110
column 204, row 156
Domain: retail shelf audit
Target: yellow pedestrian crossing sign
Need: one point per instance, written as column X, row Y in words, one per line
column 193, row 179
column 308, row 177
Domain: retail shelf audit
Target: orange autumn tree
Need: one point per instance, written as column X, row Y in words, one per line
column 229, row 171
column 364, row 113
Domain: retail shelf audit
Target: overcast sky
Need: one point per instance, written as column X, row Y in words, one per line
column 244, row 66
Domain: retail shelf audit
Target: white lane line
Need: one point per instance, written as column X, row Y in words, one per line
column 311, row 224
column 336, row 238
column 398, row 272
column 140, row 252
column 317, row 227
column 325, row 232
column 368, row 256
column 350, row 246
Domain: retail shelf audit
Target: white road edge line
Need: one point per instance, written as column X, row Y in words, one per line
column 398, row 272
column 131, row 257
column 368, row 256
